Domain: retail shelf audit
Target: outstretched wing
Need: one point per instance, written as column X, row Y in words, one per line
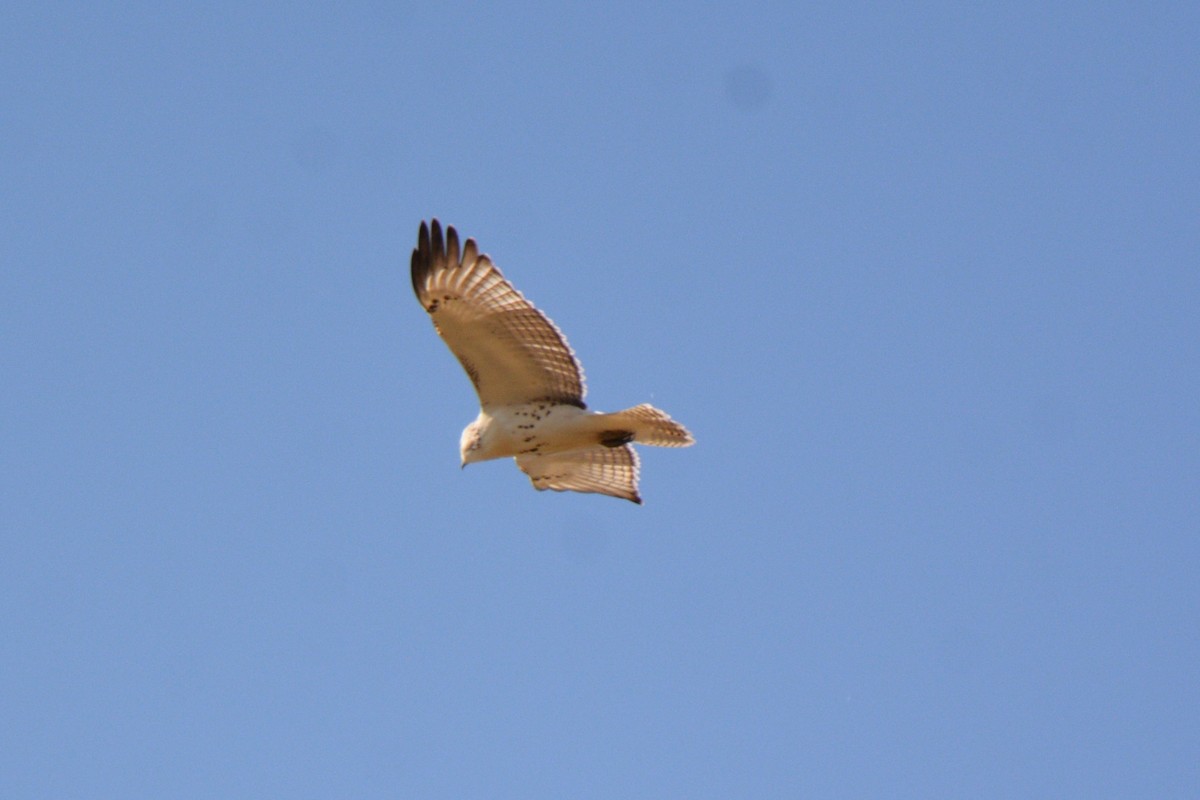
column 603, row 470
column 511, row 351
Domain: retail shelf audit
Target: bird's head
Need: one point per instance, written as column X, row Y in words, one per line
column 471, row 443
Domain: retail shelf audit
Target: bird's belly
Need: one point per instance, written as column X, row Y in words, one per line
column 540, row 428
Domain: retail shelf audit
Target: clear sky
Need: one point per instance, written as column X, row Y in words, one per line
column 923, row 283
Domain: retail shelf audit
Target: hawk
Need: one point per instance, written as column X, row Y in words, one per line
column 529, row 383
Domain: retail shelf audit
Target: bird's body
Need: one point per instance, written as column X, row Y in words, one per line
column 539, row 428
column 545, row 428
column 529, row 382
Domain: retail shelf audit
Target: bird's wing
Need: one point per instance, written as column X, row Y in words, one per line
column 603, row 470
column 511, row 351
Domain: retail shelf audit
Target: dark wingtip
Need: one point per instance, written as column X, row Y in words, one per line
column 452, row 250
column 421, row 257
column 637, row 498
column 439, row 244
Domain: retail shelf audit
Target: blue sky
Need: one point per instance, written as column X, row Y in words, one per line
column 922, row 281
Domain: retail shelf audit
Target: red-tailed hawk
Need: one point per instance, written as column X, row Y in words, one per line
column 529, row 383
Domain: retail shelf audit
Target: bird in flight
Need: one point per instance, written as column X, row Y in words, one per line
column 530, row 384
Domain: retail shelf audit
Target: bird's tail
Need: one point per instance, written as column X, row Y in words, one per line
column 648, row 425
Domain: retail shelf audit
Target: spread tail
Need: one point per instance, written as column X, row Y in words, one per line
column 648, row 425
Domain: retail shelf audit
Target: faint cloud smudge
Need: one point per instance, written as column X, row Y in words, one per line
column 747, row 87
